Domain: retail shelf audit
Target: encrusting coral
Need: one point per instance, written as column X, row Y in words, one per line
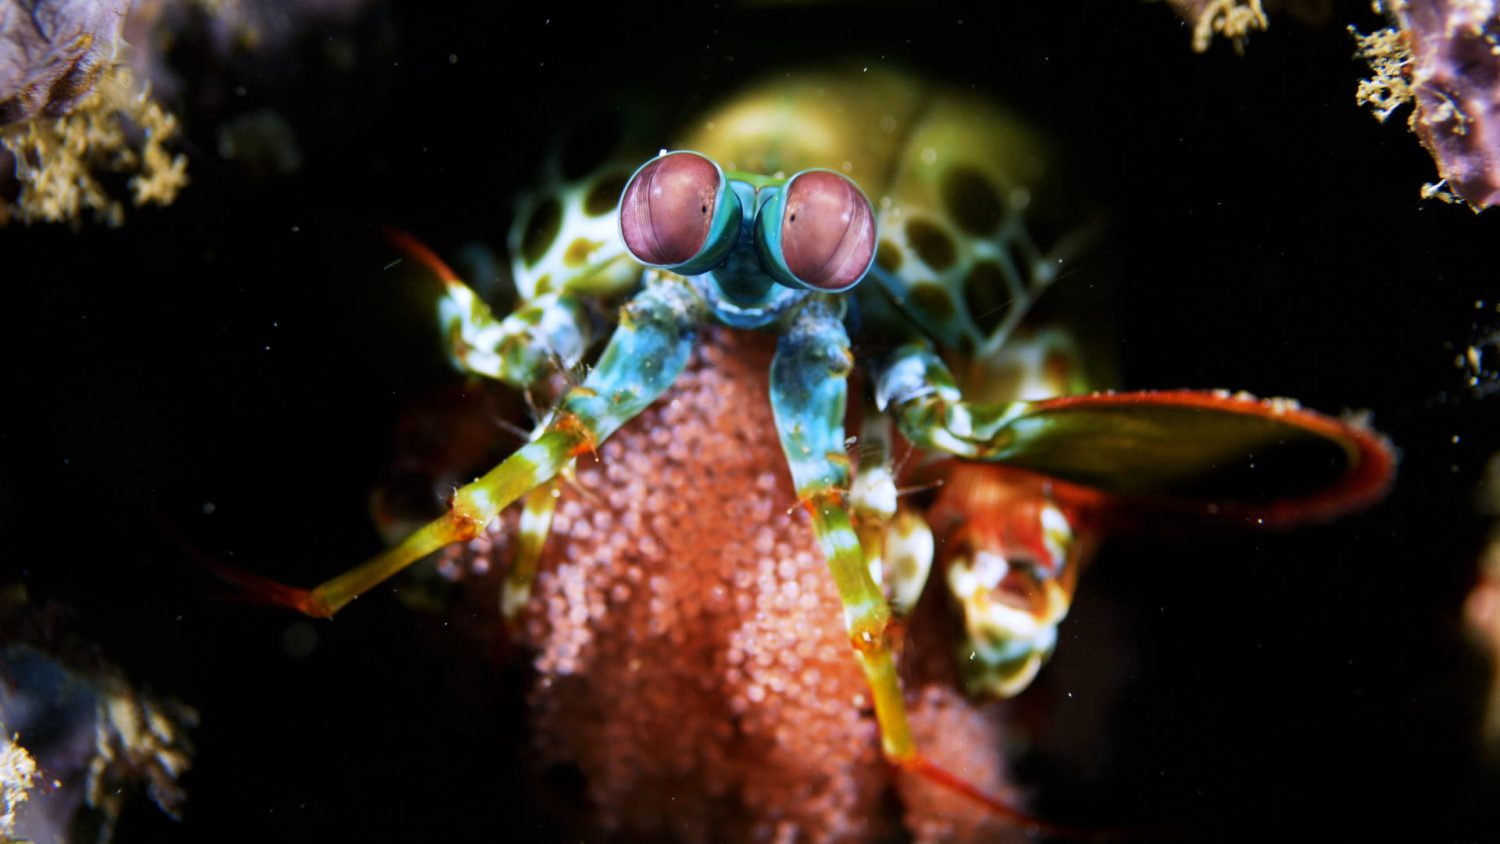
column 1443, row 58
column 71, row 113
column 1231, row 19
column 53, row 53
column 59, row 161
column 77, row 740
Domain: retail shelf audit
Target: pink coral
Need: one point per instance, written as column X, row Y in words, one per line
column 1444, row 58
column 53, row 52
column 690, row 649
column 1456, row 78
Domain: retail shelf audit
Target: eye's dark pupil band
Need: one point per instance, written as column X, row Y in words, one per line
column 656, row 216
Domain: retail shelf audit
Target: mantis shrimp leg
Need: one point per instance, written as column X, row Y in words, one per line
column 537, row 510
column 543, row 334
column 897, row 542
column 808, row 392
column 644, row 356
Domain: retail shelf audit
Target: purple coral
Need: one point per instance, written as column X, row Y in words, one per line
column 52, row 52
column 1445, row 60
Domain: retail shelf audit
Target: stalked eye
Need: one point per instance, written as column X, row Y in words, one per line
column 676, row 213
column 818, row 233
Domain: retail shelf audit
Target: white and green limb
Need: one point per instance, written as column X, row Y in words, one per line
column 1014, row 582
column 1011, row 608
column 918, row 389
column 898, row 543
column 542, row 336
column 646, row 353
column 546, row 334
column 537, row 509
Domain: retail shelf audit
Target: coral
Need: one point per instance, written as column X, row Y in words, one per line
column 89, row 735
column 70, row 113
column 53, row 52
column 59, row 161
column 17, row 778
column 690, row 649
column 1386, row 52
column 1231, row 19
column 1443, row 57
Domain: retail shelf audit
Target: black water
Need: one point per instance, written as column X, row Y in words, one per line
column 241, row 352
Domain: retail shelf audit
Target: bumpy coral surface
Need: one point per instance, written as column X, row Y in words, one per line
column 1444, row 58
column 59, row 161
column 690, row 649
column 52, row 52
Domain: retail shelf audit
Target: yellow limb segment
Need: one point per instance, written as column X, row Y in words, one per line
column 474, row 506
column 869, row 621
column 536, row 522
column 867, row 618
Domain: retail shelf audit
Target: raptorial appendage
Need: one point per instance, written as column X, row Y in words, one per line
column 1011, row 560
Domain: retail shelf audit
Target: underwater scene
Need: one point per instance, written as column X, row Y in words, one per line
column 749, row 422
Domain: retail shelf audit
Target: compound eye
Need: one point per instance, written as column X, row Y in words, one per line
column 676, row 213
column 826, row 231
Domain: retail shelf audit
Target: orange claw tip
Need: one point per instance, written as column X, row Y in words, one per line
column 246, row 586
column 1224, row 456
column 419, row 252
column 1032, row 825
column 924, row 767
column 263, row 590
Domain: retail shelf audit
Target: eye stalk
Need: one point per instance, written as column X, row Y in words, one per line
column 817, row 233
column 678, row 214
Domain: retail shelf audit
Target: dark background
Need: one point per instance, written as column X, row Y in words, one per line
column 244, row 348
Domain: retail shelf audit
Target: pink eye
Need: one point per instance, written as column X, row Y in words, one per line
column 827, row 231
column 668, row 208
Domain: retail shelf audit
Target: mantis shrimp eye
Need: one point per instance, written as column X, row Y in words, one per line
column 819, row 234
column 676, row 214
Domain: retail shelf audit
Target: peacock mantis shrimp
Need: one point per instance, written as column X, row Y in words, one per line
column 868, row 212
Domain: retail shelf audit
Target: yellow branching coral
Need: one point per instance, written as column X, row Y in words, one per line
column 1232, row 19
column 1388, row 55
column 59, row 160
